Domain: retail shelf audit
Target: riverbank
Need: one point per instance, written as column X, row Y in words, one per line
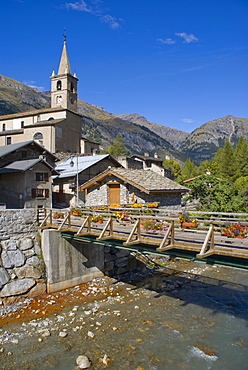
column 183, row 316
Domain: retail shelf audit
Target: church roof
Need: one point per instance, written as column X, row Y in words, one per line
column 64, row 66
column 37, row 111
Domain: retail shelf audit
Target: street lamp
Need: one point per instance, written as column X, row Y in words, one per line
column 72, row 165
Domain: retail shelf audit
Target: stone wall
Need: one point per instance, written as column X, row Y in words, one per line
column 21, row 265
column 119, row 261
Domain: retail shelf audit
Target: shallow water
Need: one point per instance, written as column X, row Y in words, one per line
column 200, row 323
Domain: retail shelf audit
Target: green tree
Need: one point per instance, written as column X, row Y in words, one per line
column 226, row 159
column 241, row 185
column 189, row 170
column 173, row 166
column 241, row 153
column 217, row 195
column 118, row 147
column 211, row 167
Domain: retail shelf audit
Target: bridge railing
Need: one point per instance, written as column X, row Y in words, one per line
column 152, row 229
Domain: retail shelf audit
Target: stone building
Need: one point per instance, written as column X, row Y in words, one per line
column 76, row 171
column 57, row 128
column 26, row 170
column 124, row 186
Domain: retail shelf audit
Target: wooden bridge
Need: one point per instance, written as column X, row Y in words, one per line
column 204, row 241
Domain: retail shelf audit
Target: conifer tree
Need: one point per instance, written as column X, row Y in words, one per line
column 227, row 162
column 118, row 147
column 189, row 170
column 241, row 153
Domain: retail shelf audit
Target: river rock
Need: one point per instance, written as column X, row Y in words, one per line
column 13, row 258
column 25, row 244
column 28, row 272
column 4, row 277
column 16, row 287
column 83, row 362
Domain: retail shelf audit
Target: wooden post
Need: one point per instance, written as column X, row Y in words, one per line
column 110, row 235
column 85, row 221
column 205, row 251
column 51, row 216
column 170, row 231
column 138, row 239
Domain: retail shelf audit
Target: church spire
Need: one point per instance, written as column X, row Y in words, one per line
column 64, row 65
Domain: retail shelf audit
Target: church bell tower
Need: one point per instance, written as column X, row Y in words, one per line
column 64, row 84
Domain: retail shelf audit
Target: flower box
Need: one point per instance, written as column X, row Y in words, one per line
column 189, row 224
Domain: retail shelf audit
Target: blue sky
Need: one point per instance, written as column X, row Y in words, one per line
column 179, row 63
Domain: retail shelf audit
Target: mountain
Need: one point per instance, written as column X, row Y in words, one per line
column 203, row 143
column 174, row 136
column 97, row 124
column 139, row 135
column 16, row 97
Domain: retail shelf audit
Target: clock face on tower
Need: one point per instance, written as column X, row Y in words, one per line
column 59, row 99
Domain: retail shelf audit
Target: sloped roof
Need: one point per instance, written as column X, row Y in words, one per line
column 81, row 163
column 145, row 180
column 146, row 158
column 6, row 149
column 22, row 166
column 37, row 111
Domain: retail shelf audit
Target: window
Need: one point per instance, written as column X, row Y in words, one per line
column 40, row 193
column 59, row 85
column 38, row 136
column 41, row 176
column 8, row 140
column 22, row 124
column 4, row 127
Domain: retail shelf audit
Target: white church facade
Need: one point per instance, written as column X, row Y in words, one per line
column 57, row 128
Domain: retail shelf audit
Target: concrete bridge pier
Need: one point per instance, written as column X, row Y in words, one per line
column 69, row 263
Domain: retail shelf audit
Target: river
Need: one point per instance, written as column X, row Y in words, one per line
column 186, row 315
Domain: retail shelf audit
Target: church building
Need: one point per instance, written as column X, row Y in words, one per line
column 57, row 128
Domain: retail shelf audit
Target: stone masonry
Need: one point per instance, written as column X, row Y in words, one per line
column 21, row 265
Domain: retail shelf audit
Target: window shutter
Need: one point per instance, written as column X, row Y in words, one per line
column 47, row 193
column 33, row 193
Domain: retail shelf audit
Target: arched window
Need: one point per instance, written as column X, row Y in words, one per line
column 4, row 127
column 59, row 85
column 50, row 119
column 72, row 87
column 38, row 136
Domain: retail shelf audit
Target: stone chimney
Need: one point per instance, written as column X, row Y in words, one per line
column 146, row 154
column 155, row 155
